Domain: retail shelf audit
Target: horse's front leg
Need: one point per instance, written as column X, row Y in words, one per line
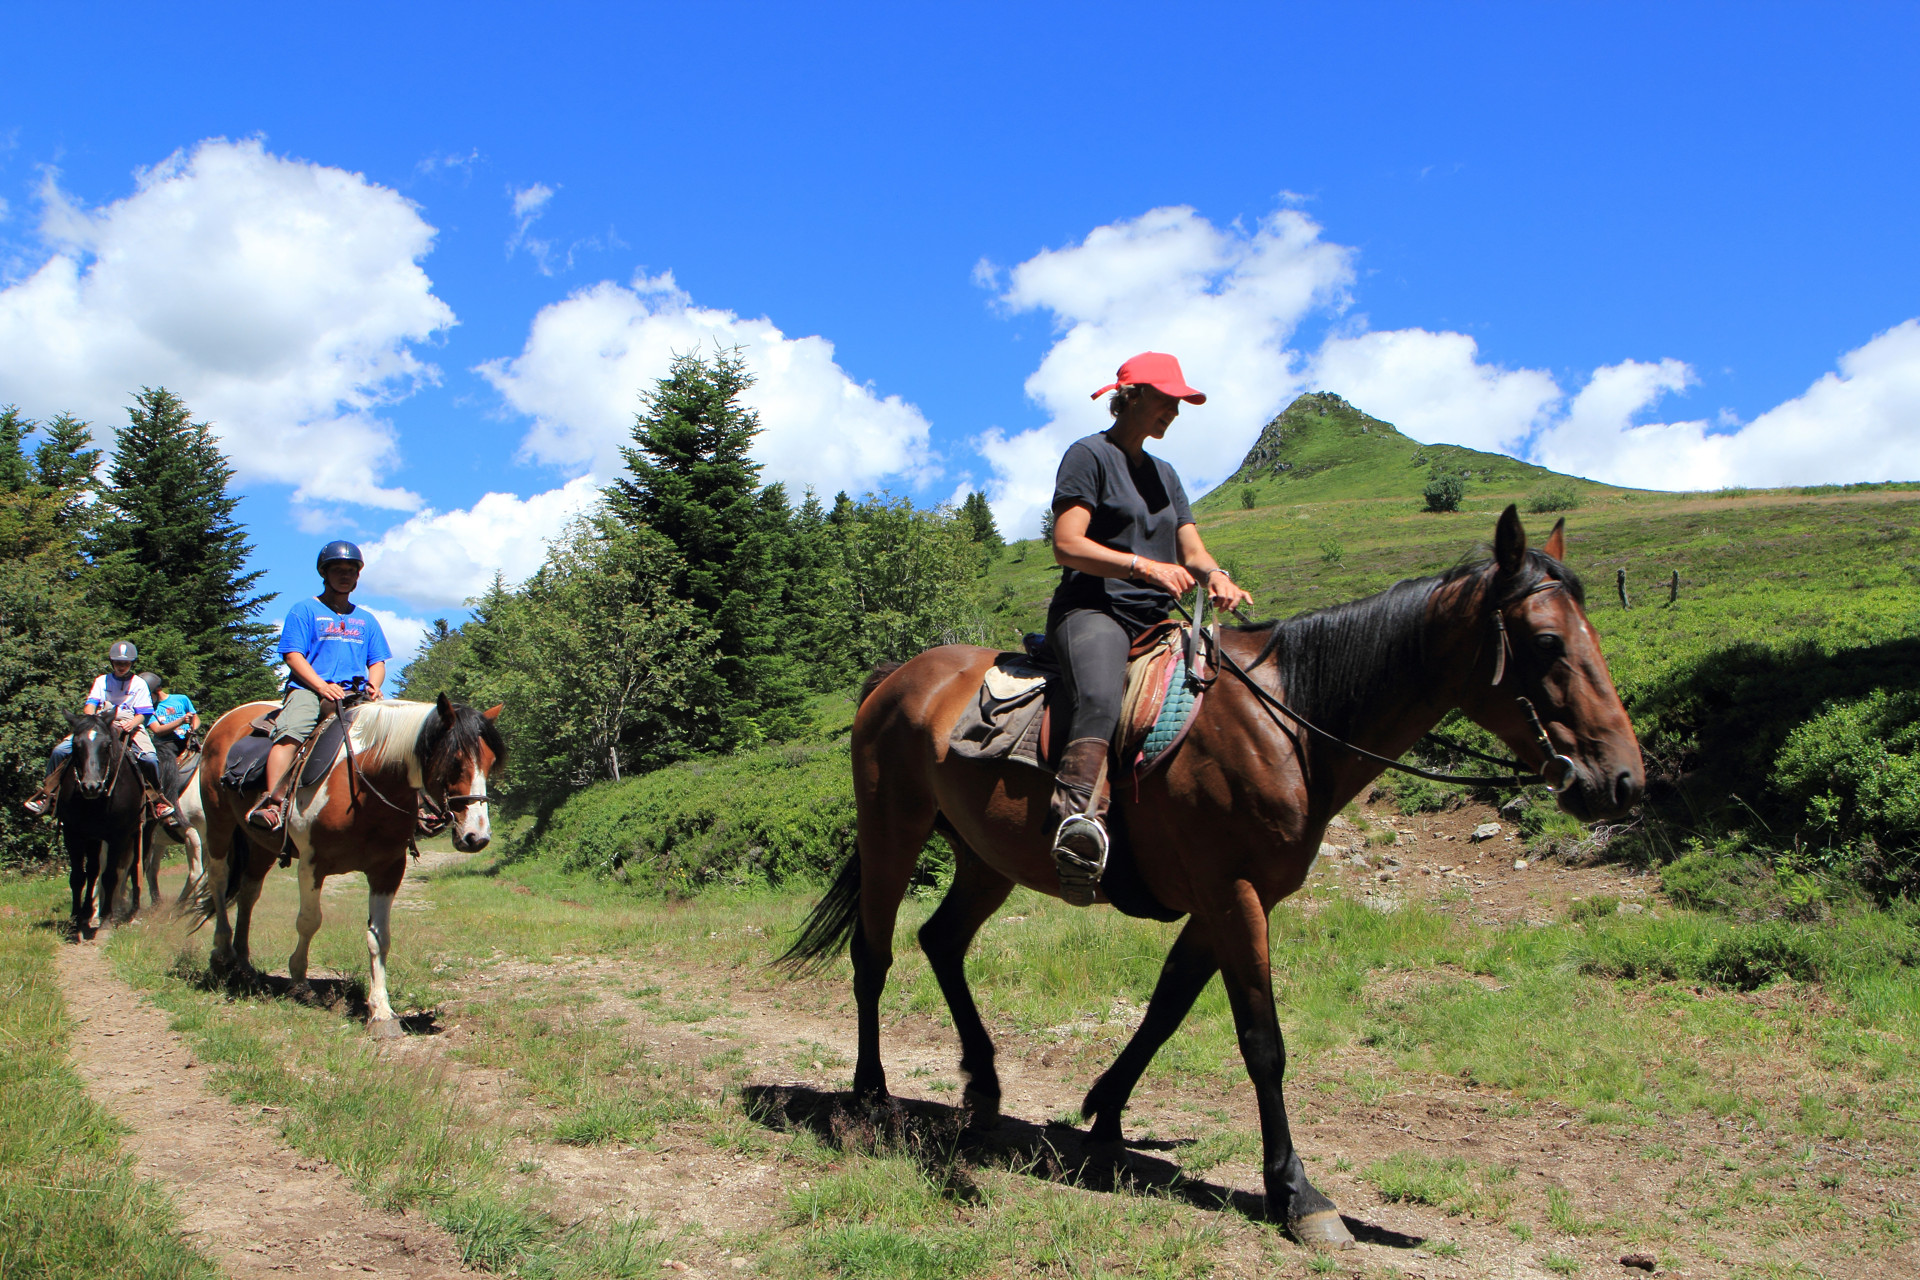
column 381, row 886
column 1242, row 951
column 307, row 923
column 150, row 861
column 1189, row 966
column 976, row 893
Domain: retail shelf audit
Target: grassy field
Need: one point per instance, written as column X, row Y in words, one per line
column 578, row 1048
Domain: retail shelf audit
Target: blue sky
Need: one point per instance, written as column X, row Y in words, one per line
column 1666, row 245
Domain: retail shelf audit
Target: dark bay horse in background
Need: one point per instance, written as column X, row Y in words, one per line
column 360, row 817
column 101, row 808
column 1232, row 824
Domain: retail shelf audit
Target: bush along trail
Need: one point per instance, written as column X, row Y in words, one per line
column 1500, row 1070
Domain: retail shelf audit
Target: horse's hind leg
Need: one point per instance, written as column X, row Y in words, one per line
column 894, row 824
column 222, row 848
column 196, row 866
column 976, row 893
column 1188, row 969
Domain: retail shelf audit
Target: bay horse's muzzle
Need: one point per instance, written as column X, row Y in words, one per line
column 1607, row 792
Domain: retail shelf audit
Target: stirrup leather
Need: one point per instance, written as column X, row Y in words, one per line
column 1080, row 858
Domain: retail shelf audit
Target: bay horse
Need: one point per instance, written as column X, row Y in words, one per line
column 102, row 802
column 1231, row 824
column 359, row 817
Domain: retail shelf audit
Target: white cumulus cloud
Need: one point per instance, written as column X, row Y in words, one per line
column 589, row 356
column 441, row 559
column 1433, row 387
column 1225, row 300
column 405, row 636
column 280, row 299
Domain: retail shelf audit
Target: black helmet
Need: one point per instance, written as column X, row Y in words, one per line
column 338, row 551
column 123, row 651
column 152, row 680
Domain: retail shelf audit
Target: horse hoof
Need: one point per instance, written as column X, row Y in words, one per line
column 1322, row 1230
column 982, row 1109
column 385, row 1029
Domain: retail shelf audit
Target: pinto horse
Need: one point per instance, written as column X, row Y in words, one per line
column 101, row 807
column 360, row 817
column 1232, row 823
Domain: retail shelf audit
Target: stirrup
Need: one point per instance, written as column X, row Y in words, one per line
column 1080, row 857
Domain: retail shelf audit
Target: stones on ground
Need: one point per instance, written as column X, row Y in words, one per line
column 1519, row 864
column 1358, row 859
column 1486, row 831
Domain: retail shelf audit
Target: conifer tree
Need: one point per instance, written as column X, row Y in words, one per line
column 692, row 481
column 978, row 518
column 171, row 559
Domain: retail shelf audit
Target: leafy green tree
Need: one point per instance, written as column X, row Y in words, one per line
column 14, row 472
column 977, row 516
column 66, row 461
column 692, row 481
column 440, row 667
column 896, row 580
column 169, row 556
column 603, row 669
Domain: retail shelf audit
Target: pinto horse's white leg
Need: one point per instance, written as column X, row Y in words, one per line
column 196, row 867
column 307, row 922
column 381, row 1024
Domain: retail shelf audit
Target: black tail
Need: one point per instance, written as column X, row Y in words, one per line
column 829, row 926
column 881, row 670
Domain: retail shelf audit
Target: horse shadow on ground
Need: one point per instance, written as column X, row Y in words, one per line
column 346, row 997
column 943, row 1141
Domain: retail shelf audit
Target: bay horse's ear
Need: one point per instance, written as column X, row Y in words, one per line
column 1556, row 544
column 493, row 712
column 444, row 705
column 1509, row 541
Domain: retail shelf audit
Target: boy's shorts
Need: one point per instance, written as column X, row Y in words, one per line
column 298, row 715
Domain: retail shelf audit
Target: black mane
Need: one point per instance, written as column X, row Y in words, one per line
column 443, row 741
column 1332, row 661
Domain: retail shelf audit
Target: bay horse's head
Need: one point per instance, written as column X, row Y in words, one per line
column 93, row 754
column 458, row 748
column 1543, row 686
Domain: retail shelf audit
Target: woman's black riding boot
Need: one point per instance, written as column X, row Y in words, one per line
column 1079, row 805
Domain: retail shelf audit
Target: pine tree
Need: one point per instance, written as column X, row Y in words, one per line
column 692, row 481
column 978, row 517
column 51, row 639
column 171, row 559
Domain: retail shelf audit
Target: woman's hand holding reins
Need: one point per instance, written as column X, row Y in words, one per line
column 1225, row 592
column 1170, row 578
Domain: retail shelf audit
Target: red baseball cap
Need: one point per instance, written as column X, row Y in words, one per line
column 1158, row 370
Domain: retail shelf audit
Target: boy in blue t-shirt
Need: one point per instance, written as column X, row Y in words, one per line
column 172, row 726
column 331, row 648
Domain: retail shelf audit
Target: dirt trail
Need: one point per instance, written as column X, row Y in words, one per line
column 246, row 1198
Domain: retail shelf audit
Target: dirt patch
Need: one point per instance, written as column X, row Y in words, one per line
column 245, row 1197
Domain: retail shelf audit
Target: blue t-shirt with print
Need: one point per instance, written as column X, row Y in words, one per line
column 173, row 707
column 341, row 646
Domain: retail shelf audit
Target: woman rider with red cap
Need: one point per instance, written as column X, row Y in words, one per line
column 1127, row 546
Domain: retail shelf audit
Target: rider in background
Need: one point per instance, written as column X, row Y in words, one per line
column 1127, row 548
column 132, row 702
column 331, row 648
column 172, row 726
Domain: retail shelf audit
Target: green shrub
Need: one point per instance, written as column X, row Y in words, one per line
column 1331, row 552
column 1443, row 493
column 1854, row 773
column 779, row 814
column 1598, row 907
column 1249, row 498
column 1555, row 497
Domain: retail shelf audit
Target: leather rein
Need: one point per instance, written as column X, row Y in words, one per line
column 1560, row 766
column 430, row 816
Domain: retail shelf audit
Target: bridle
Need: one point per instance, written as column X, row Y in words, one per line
column 115, row 737
column 1556, row 774
column 430, row 816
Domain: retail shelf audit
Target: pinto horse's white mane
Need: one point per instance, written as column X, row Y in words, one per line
column 385, row 733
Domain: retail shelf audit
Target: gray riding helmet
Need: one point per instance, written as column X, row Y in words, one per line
column 123, row 651
column 338, row 550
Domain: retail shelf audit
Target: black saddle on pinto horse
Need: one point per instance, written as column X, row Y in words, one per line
column 247, row 759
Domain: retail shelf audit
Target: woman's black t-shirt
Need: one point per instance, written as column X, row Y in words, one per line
column 1138, row 510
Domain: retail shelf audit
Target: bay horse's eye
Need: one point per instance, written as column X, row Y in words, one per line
column 1550, row 645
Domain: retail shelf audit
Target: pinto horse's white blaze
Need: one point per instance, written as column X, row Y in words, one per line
column 472, row 829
